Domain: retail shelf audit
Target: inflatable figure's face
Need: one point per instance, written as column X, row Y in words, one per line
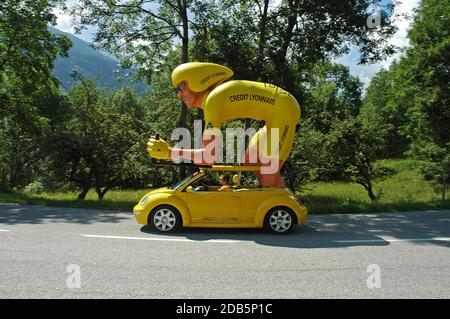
column 189, row 97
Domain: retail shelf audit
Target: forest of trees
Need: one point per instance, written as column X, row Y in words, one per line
column 90, row 138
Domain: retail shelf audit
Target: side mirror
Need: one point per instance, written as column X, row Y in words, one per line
column 189, row 189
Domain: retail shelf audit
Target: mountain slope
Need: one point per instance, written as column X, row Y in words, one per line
column 94, row 65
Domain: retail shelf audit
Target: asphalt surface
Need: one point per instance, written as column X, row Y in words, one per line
column 80, row 253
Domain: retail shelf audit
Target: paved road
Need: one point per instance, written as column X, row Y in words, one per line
column 406, row 255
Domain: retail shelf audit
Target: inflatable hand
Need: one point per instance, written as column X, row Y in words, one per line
column 158, row 148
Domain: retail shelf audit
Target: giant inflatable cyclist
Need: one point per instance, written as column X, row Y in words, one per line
column 201, row 85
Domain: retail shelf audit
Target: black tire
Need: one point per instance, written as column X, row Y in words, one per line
column 280, row 220
column 165, row 219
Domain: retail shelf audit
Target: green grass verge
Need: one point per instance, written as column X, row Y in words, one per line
column 405, row 190
column 115, row 200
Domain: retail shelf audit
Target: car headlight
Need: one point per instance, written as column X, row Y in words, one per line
column 144, row 200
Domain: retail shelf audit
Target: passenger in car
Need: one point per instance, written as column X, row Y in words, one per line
column 224, row 181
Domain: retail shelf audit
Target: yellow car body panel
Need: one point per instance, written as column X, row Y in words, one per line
column 287, row 201
column 244, row 207
column 161, row 197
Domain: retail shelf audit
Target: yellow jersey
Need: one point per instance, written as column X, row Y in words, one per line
column 258, row 101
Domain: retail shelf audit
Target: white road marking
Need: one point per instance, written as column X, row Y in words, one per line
column 228, row 241
column 4, row 230
column 165, row 239
column 391, row 240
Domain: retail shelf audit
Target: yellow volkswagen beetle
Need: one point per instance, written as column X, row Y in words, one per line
column 193, row 202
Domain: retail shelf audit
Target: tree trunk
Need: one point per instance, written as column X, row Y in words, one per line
column 86, row 183
column 283, row 67
column 291, row 180
column 444, row 189
column 262, row 42
column 101, row 193
column 369, row 190
column 372, row 196
column 182, row 5
column 83, row 193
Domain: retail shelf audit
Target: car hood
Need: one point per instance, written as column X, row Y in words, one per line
column 160, row 190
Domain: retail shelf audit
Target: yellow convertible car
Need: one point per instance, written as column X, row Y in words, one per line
column 194, row 202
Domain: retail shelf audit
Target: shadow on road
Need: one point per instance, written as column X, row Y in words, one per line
column 11, row 214
column 301, row 237
column 319, row 231
column 328, row 231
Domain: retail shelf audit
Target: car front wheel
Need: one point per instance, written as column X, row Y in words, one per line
column 280, row 220
column 165, row 219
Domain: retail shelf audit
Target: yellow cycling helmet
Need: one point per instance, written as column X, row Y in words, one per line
column 200, row 75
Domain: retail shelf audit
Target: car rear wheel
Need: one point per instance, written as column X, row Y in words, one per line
column 165, row 219
column 280, row 220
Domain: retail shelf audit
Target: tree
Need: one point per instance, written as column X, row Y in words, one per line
column 426, row 81
column 267, row 43
column 352, row 147
column 27, row 51
column 141, row 33
column 385, row 107
column 100, row 143
column 331, row 95
column 347, row 151
column 27, row 48
column 258, row 43
column 336, row 143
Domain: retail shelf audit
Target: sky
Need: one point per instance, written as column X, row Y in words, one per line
column 399, row 39
column 363, row 72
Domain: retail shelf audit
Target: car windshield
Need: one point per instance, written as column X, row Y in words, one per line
column 181, row 183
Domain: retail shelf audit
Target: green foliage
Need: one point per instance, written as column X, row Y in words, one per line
column 352, row 149
column 410, row 102
column 331, row 95
column 139, row 33
column 23, row 134
column 27, row 87
column 280, row 44
column 101, row 144
column 334, row 143
column 428, row 74
column 34, row 188
column 434, row 162
column 17, row 154
column 385, row 107
column 27, row 48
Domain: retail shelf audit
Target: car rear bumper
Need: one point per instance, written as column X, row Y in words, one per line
column 302, row 216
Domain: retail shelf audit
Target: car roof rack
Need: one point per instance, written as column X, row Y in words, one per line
column 232, row 168
column 171, row 163
column 224, row 168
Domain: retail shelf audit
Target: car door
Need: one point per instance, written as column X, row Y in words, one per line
column 251, row 201
column 214, row 207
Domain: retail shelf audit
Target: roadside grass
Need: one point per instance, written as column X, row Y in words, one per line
column 114, row 199
column 405, row 190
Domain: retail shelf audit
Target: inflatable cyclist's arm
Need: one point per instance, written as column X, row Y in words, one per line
column 205, row 155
